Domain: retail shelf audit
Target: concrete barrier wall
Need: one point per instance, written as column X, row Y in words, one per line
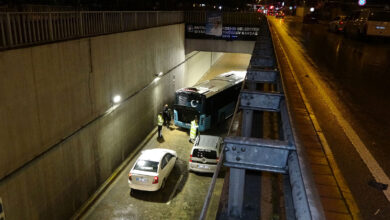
column 52, row 91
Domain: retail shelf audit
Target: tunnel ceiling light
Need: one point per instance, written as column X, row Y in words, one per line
column 117, row 99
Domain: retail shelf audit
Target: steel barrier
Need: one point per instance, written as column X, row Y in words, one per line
column 29, row 28
column 244, row 152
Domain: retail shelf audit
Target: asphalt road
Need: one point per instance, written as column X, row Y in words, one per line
column 347, row 83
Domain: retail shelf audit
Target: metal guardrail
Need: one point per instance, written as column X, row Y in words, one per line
column 244, row 152
column 29, row 28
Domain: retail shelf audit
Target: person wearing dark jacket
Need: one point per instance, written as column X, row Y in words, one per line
column 166, row 116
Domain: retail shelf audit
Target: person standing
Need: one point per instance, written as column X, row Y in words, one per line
column 160, row 122
column 166, row 116
column 194, row 129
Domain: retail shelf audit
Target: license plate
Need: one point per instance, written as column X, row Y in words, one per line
column 380, row 27
column 203, row 166
column 140, row 179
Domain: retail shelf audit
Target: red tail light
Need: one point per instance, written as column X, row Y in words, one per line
column 191, row 158
column 155, row 180
column 341, row 22
column 130, row 176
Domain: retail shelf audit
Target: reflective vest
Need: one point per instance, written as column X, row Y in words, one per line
column 160, row 120
column 194, row 127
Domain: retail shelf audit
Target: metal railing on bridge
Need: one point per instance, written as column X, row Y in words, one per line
column 19, row 29
column 244, row 152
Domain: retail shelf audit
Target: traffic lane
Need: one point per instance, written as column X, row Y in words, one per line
column 182, row 198
column 372, row 204
column 358, row 72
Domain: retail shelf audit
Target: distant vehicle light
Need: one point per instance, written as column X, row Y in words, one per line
column 311, row 9
column 271, row 7
column 341, row 22
column 220, row 7
column 290, row 7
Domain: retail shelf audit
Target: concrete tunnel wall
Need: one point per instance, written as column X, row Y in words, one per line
column 51, row 91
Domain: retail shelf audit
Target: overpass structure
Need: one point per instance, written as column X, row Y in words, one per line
column 60, row 138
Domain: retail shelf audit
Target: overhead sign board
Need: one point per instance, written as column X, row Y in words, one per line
column 228, row 32
column 362, row 2
column 214, row 24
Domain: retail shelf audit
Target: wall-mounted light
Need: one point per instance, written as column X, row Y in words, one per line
column 116, row 99
column 159, row 74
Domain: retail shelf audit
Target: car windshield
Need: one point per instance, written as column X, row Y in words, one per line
column 200, row 153
column 379, row 16
column 146, row 165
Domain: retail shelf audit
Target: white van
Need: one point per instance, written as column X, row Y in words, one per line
column 205, row 154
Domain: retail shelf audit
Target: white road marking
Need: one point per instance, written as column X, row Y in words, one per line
column 366, row 156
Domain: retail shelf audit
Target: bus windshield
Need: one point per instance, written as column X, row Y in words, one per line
column 188, row 99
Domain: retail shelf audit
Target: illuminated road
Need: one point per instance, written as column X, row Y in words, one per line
column 346, row 83
column 184, row 194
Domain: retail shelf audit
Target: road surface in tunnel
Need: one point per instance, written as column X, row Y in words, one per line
column 184, row 194
column 347, row 83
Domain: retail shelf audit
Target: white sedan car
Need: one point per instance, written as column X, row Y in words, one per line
column 152, row 169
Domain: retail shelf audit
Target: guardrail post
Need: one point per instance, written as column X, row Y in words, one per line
column 135, row 20
column 9, row 30
column 157, row 18
column 147, row 19
column 104, row 22
column 122, row 23
column 81, row 28
column 51, row 27
column 236, row 191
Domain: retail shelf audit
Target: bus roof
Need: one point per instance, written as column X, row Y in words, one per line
column 219, row 83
